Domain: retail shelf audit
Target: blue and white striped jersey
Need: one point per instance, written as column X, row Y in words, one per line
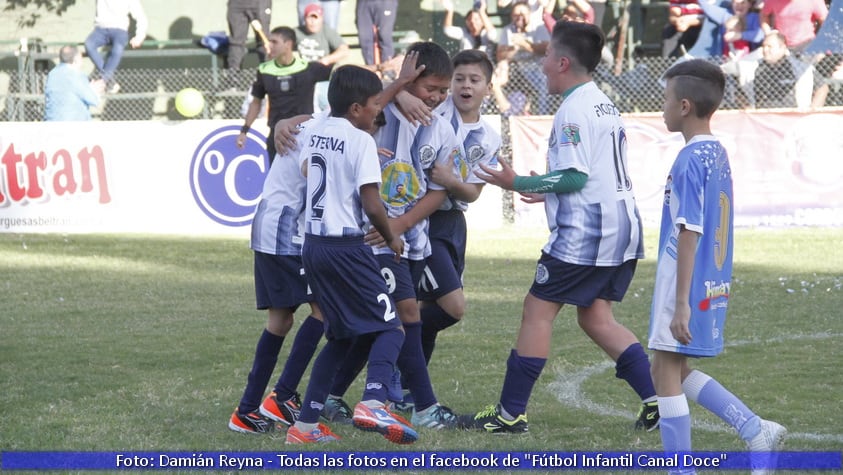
column 404, row 174
column 340, row 159
column 598, row 225
column 278, row 222
column 480, row 143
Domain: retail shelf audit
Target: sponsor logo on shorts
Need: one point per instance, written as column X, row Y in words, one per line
column 226, row 182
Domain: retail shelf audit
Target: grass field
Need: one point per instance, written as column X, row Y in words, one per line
column 144, row 343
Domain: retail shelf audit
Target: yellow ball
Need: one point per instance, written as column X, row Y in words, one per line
column 189, row 102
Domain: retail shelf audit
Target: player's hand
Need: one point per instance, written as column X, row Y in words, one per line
column 385, row 152
column 397, row 246
column 136, row 42
column 373, row 238
column 448, row 5
column 285, row 136
column 409, row 70
column 416, row 111
column 241, row 140
column 443, row 174
column 531, row 198
column 503, row 178
column 679, row 325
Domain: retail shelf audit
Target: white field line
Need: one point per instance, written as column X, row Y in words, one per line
column 568, row 390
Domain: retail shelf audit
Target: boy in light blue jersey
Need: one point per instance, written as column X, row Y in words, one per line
column 694, row 271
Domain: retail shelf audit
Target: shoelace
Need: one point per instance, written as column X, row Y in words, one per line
column 490, row 410
column 444, row 413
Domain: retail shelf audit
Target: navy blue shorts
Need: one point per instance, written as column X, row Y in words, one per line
column 346, row 280
column 279, row 282
column 402, row 278
column 446, row 263
column 561, row 282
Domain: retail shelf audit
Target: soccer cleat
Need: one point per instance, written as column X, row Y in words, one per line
column 438, row 417
column 320, row 434
column 648, row 416
column 379, row 419
column 406, row 403
column 336, row 410
column 285, row 412
column 768, row 440
column 250, row 423
column 491, row 420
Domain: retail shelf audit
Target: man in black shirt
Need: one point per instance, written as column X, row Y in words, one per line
column 288, row 80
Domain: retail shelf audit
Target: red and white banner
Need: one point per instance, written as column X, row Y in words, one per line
column 142, row 177
column 787, row 167
column 185, row 177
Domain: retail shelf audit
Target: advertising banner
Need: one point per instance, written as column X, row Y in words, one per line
column 787, row 167
column 137, row 177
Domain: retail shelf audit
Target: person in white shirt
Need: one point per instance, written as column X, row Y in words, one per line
column 111, row 28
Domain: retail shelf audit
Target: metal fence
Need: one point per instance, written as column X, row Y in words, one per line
column 148, row 93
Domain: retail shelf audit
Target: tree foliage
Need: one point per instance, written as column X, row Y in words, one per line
column 33, row 10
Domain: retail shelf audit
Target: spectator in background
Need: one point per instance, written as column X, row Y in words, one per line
column 684, row 19
column 240, row 14
column 732, row 29
column 478, row 32
column 330, row 10
column 797, row 20
column 537, row 7
column 375, row 23
column 574, row 10
column 111, row 28
column 319, row 42
column 783, row 81
column 68, row 92
column 519, row 57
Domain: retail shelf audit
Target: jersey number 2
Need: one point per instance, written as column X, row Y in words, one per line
column 318, row 165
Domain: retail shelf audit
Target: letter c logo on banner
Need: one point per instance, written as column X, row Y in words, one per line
column 226, row 181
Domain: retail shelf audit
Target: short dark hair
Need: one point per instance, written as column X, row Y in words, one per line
column 349, row 85
column 285, row 32
column 700, row 82
column 434, row 58
column 583, row 41
column 68, row 53
column 475, row 56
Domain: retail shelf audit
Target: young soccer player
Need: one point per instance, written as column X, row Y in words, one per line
column 410, row 198
column 442, row 302
column 694, row 269
column 343, row 177
column 595, row 234
column 280, row 287
column 277, row 234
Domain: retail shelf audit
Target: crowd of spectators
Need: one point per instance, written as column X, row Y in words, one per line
column 729, row 30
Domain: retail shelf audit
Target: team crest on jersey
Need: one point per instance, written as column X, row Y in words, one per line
column 399, row 184
column 542, row 274
column 426, row 155
column 570, row 135
column 475, row 153
column 284, row 83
